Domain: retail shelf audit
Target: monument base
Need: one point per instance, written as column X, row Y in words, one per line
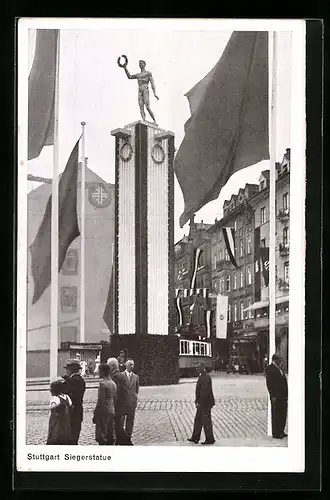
column 156, row 357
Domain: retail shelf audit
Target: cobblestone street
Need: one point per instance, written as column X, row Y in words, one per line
column 165, row 414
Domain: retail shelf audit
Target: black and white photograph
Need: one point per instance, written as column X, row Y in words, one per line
column 161, row 245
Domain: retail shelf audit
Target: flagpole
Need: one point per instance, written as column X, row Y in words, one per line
column 82, row 236
column 272, row 214
column 53, row 354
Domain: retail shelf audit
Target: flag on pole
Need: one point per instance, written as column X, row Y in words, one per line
column 229, row 235
column 108, row 315
column 228, row 130
column 68, row 228
column 41, row 94
column 264, row 254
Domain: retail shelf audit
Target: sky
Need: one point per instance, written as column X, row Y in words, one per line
column 92, row 88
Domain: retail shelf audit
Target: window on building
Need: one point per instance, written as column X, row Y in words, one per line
column 262, row 215
column 215, row 261
column 201, row 259
column 241, row 281
column 286, row 201
column 235, row 311
column 249, row 275
column 286, row 272
column 263, row 242
column 69, row 299
column 235, row 281
column 235, row 225
column 220, row 254
column 70, row 264
column 229, row 313
column 257, row 266
column 241, row 232
column 228, row 283
column 286, row 236
column 68, row 333
column 215, row 285
column 241, row 248
column 226, row 255
column 249, row 245
column 241, row 310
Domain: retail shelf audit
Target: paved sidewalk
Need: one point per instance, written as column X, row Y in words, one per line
column 165, row 414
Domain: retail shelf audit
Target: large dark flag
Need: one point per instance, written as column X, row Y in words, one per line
column 41, row 96
column 68, row 228
column 228, row 129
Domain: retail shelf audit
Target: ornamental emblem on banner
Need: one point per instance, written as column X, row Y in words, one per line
column 98, row 195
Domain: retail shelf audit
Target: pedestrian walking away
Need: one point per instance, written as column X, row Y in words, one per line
column 277, row 386
column 204, row 401
column 59, row 428
column 104, row 412
column 131, row 399
column 74, row 386
column 122, row 390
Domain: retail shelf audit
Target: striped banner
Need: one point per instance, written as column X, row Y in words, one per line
column 228, row 234
column 197, row 253
column 208, row 323
column 179, row 305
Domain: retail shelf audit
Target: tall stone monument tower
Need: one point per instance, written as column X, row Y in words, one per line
column 144, row 228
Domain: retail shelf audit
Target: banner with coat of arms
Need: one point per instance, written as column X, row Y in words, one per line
column 99, row 195
column 221, row 316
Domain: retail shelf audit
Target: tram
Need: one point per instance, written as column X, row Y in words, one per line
column 192, row 352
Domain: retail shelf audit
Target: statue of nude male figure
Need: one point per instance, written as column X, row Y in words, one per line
column 143, row 78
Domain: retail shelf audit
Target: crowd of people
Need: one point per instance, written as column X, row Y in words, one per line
column 118, row 391
column 115, row 408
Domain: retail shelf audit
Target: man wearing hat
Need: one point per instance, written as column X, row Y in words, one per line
column 74, row 387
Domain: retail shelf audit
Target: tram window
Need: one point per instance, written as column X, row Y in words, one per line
column 193, row 344
column 197, row 348
column 202, row 349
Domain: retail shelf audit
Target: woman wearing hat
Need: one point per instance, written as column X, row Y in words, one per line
column 74, row 387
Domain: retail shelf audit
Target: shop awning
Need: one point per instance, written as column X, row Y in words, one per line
column 265, row 303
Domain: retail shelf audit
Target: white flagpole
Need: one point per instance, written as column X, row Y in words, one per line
column 54, row 229
column 82, row 236
column 272, row 215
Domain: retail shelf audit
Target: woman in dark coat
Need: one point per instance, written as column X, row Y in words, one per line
column 104, row 412
column 59, row 429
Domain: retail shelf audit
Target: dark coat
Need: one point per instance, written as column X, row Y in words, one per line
column 276, row 382
column 122, row 389
column 75, row 387
column 133, row 390
column 204, row 393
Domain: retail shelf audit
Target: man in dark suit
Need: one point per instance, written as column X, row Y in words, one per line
column 74, row 386
column 120, row 406
column 278, row 392
column 204, row 401
column 132, row 381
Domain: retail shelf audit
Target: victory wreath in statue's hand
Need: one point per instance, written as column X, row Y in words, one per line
column 143, row 78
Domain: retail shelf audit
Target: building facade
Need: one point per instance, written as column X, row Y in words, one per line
column 247, row 285
column 99, row 231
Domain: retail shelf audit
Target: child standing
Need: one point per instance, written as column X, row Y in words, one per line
column 59, row 429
